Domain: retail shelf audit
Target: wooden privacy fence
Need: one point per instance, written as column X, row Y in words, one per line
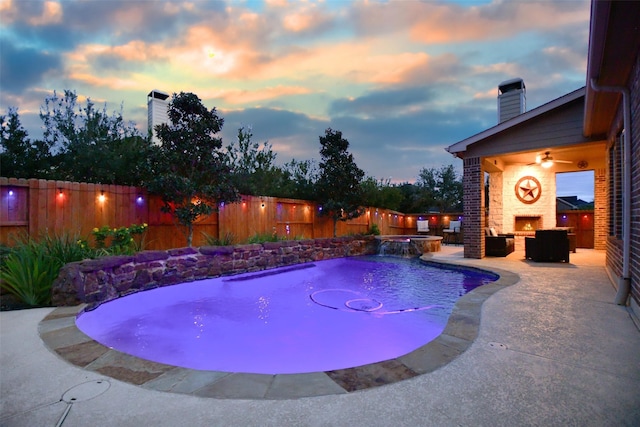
column 36, row 207
column 582, row 223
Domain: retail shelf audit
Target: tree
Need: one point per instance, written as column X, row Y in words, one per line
column 298, row 180
column 440, row 189
column 19, row 157
column 338, row 186
column 190, row 171
column 253, row 165
column 450, row 194
column 427, row 191
column 381, row 194
column 89, row 144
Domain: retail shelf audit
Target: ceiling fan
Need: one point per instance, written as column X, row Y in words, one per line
column 547, row 161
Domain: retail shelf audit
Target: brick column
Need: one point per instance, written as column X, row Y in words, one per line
column 474, row 218
column 600, row 209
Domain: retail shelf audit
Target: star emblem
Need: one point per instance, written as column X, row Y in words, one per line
column 528, row 189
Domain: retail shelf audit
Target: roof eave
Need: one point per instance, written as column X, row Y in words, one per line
column 614, row 40
column 460, row 147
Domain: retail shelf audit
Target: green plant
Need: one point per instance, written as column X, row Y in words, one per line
column 66, row 248
column 28, row 273
column 227, row 240
column 374, row 230
column 264, row 237
column 119, row 241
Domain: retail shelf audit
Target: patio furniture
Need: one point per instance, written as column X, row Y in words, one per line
column 451, row 234
column 498, row 244
column 572, row 237
column 547, row 246
column 423, row 226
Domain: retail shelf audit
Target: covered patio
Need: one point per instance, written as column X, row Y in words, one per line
column 517, row 160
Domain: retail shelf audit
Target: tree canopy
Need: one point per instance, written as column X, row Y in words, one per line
column 439, row 189
column 21, row 158
column 190, row 171
column 89, row 144
column 83, row 142
column 338, row 187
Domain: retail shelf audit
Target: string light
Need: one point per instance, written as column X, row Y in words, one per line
column 101, row 197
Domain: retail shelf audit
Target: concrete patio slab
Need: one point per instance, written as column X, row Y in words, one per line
column 552, row 349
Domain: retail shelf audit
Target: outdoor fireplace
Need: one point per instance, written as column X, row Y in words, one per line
column 527, row 224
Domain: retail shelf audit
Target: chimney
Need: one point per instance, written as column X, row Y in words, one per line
column 512, row 99
column 157, row 106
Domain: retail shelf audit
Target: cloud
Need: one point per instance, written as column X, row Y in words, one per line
column 401, row 79
column 438, row 23
column 382, row 103
column 244, row 97
column 51, row 14
column 292, row 135
column 21, row 68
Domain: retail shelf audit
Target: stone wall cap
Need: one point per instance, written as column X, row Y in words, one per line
column 182, row 251
column 216, row 250
column 104, row 263
column 147, row 256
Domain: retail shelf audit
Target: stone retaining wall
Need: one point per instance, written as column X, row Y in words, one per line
column 93, row 281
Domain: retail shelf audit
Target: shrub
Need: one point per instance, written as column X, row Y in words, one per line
column 28, row 273
column 66, row 248
column 227, row 240
column 264, row 237
column 119, row 241
column 374, row 230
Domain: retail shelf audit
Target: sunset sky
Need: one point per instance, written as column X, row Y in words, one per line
column 401, row 79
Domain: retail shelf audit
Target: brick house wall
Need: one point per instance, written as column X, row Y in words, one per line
column 615, row 245
column 635, row 182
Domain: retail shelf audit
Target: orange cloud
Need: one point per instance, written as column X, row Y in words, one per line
column 432, row 22
column 443, row 24
column 297, row 22
column 51, row 14
column 239, row 96
column 488, row 94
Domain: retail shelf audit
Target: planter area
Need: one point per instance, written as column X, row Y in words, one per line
column 98, row 280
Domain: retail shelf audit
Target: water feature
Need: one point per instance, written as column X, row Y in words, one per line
column 399, row 246
column 408, row 246
column 311, row 317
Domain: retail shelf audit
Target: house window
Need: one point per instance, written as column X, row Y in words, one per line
column 616, row 168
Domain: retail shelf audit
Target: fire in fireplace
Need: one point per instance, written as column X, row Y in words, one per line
column 527, row 223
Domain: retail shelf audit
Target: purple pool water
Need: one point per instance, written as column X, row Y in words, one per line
column 323, row 316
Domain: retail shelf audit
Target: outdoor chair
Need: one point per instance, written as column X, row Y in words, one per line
column 423, row 226
column 547, row 246
column 452, row 233
column 498, row 244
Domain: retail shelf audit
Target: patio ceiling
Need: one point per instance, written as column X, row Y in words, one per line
column 583, row 156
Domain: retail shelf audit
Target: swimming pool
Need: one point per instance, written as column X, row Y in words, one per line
column 312, row 317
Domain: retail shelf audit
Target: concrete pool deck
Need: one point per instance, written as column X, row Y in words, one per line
column 551, row 349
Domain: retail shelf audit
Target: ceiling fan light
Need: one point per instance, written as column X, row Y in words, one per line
column 547, row 163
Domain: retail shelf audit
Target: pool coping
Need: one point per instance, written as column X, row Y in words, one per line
column 60, row 334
